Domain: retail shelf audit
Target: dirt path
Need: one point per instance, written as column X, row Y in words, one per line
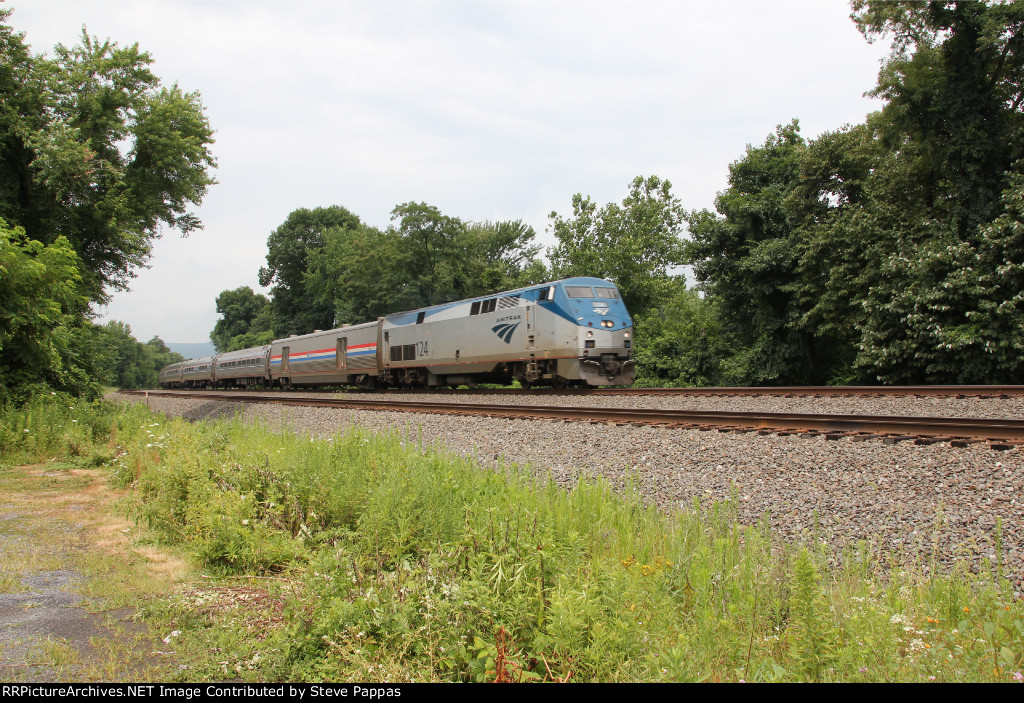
column 72, row 583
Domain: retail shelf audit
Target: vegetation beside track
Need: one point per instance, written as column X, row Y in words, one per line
column 363, row 557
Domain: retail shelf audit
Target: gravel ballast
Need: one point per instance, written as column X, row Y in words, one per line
column 900, row 497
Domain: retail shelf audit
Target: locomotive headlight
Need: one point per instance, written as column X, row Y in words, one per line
column 590, row 333
column 628, row 335
column 607, row 323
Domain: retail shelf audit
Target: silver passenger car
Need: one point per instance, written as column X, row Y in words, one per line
column 346, row 356
column 246, row 367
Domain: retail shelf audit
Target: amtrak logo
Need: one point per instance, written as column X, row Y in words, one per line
column 505, row 332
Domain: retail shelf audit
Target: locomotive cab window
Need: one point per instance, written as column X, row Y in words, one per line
column 579, row 291
column 610, row 293
column 419, row 318
column 474, row 309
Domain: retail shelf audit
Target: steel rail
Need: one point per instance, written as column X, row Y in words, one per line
column 943, row 428
column 785, row 391
column 780, row 391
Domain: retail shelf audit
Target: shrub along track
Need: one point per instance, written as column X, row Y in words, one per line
column 1000, row 433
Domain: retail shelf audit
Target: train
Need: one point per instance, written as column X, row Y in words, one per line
column 572, row 332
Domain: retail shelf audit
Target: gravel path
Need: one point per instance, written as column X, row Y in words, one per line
column 901, row 497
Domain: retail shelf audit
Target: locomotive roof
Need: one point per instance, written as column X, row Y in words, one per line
column 575, row 280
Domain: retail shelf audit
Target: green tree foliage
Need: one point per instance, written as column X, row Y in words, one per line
column 45, row 339
column 292, row 249
column 505, row 256
column 886, row 251
column 128, row 363
column 746, row 259
column 682, row 343
column 944, row 309
column 96, row 156
column 362, row 273
column 94, row 149
column 953, row 85
column 637, row 244
column 245, row 320
column 162, row 356
column 440, row 250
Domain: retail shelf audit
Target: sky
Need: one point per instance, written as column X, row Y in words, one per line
column 486, row 109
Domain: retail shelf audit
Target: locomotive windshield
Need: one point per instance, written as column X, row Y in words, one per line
column 588, row 292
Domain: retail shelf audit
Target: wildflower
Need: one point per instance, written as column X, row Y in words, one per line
column 26, row 429
column 1017, row 676
column 863, row 670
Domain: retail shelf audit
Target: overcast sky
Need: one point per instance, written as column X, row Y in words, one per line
column 487, row 109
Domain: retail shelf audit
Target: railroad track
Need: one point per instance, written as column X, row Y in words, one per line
column 827, row 391
column 1000, row 433
column 749, row 391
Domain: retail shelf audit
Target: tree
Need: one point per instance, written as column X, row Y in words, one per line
column 290, row 250
column 245, row 318
column 682, row 343
column 440, row 251
column 362, row 274
column 746, row 260
column 95, row 150
column 505, row 256
column 96, row 156
column 45, row 338
column 954, row 84
column 430, row 258
column 941, row 311
column 161, row 356
column 954, row 311
column 637, row 245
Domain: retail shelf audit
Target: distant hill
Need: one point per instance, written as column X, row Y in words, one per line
column 192, row 350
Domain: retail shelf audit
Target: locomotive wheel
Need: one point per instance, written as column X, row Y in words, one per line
column 559, row 383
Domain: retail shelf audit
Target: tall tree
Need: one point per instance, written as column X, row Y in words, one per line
column 506, row 256
column 96, row 150
column 291, row 248
column 637, row 244
column 954, row 86
column 746, row 260
column 45, row 337
column 440, row 252
column 244, row 320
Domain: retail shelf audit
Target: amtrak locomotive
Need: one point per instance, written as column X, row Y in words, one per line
column 575, row 331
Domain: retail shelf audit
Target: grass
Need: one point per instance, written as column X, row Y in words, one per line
column 366, row 557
